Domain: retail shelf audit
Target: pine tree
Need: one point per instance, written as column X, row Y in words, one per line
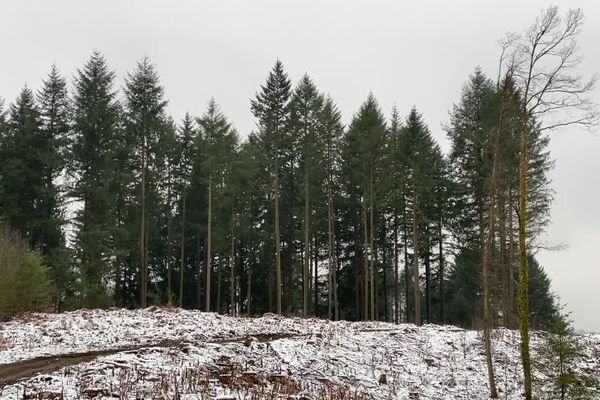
column 55, row 117
column 186, row 139
column 396, row 203
column 558, row 358
column 423, row 159
column 271, row 109
column 364, row 150
column 96, row 117
column 484, row 132
column 146, row 125
column 219, row 141
column 331, row 132
column 32, row 150
column 22, row 169
column 172, row 152
column 306, row 105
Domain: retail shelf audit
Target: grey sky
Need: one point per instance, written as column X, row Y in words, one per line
column 417, row 52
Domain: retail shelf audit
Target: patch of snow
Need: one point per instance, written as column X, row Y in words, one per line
column 303, row 359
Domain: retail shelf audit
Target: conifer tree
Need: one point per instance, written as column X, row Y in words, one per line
column 331, row 132
column 22, row 176
column 218, row 140
column 557, row 359
column 397, row 203
column 364, row 150
column 423, row 157
column 271, row 109
column 186, row 140
column 54, row 112
column 146, row 125
column 32, row 150
column 96, row 115
column 306, row 104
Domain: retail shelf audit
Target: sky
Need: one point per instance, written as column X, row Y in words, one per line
column 406, row 52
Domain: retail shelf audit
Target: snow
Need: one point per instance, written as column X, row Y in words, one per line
column 36, row 335
column 304, row 358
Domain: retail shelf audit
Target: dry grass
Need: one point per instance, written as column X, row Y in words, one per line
column 204, row 383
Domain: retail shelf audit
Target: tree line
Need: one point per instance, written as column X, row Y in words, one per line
column 105, row 200
column 306, row 216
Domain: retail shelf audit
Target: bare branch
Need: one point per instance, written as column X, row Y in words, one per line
column 543, row 63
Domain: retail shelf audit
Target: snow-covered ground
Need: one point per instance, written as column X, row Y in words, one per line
column 195, row 355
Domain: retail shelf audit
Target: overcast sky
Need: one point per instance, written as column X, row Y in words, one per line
column 408, row 53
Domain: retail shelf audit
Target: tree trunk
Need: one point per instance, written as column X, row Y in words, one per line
column 523, row 267
column 406, row 266
column 428, row 277
column 208, row 242
column 143, row 268
column 306, row 245
column 396, row 272
column 182, row 250
column 219, row 277
column 232, row 280
column 441, row 273
column 335, row 268
column 384, row 265
column 504, row 268
column 416, row 280
column 357, row 287
column 277, row 240
column 316, row 277
column 366, row 270
column 169, row 263
column 330, row 261
column 249, row 295
column 487, row 258
column 510, row 261
column 372, row 247
column 199, row 268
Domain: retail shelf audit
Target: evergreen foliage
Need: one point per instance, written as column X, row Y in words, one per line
column 303, row 216
column 24, row 285
column 558, row 360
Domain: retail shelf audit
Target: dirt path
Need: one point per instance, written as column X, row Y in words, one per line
column 11, row 373
column 14, row 372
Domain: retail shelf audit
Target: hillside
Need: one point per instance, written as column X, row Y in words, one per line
column 173, row 353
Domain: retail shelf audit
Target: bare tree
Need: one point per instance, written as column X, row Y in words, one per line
column 543, row 63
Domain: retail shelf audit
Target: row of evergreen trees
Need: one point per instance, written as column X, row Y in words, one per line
column 305, row 216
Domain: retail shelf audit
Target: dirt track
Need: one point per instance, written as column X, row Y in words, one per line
column 12, row 373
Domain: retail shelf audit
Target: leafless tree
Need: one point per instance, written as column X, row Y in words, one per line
column 543, row 63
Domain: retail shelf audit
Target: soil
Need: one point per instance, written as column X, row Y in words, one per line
column 14, row 372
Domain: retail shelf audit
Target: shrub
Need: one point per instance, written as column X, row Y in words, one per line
column 559, row 357
column 24, row 284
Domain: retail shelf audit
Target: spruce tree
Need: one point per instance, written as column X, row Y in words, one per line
column 331, row 133
column 146, row 125
column 271, row 109
column 32, row 150
column 96, row 117
column 186, row 140
column 55, row 117
column 558, row 358
column 306, row 105
column 363, row 154
column 22, row 169
column 397, row 205
column 423, row 159
column 219, row 140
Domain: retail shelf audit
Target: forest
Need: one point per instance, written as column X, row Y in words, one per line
column 108, row 201
column 123, row 206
